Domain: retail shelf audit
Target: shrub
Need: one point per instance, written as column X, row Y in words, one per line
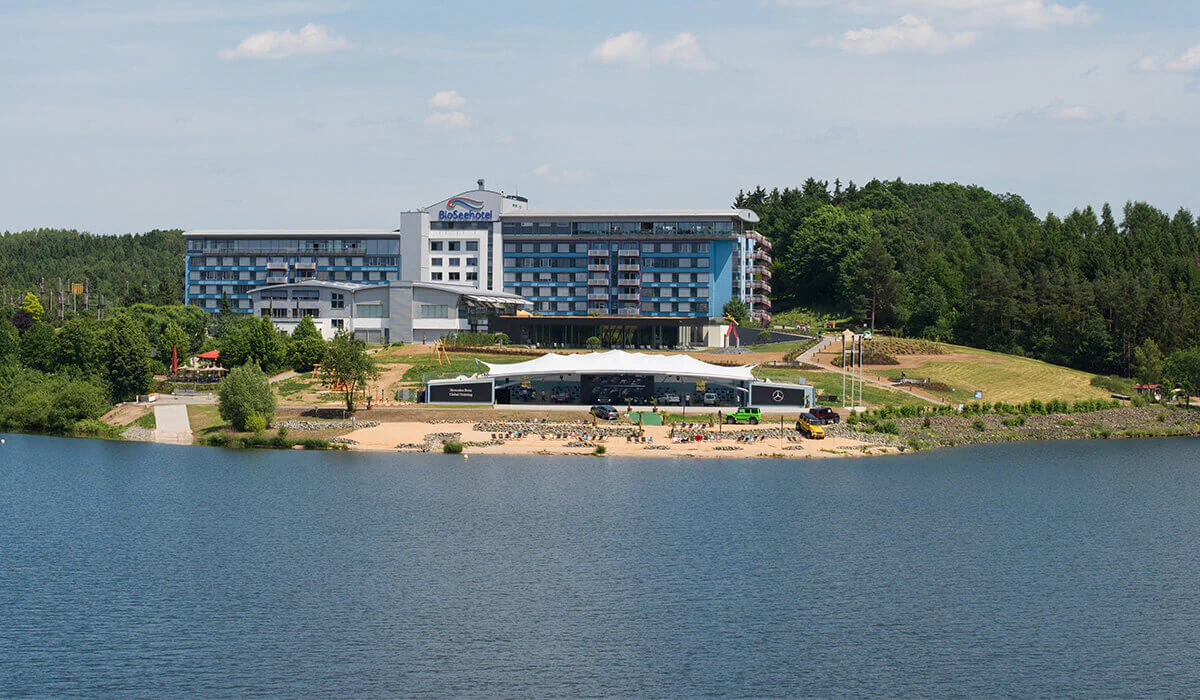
column 452, row 447
column 37, row 402
column 1014, row 422
column 979, row 425
column 600, row 449
column 94, row 427
column 887, row 426
column 592, row 342
column 915, row 444
column 926, row 423
column 219, row 440
column 255, row 423
column 246, row 391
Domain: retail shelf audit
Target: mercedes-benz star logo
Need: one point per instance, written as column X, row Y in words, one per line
column 778, row 396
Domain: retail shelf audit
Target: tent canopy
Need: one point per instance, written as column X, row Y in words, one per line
column 620, row 362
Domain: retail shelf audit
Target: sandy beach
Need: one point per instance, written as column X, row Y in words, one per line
column 388, row 437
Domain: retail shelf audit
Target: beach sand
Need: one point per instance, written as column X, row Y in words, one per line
column 387, row 436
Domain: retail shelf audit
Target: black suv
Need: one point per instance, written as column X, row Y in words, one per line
column 825, row 414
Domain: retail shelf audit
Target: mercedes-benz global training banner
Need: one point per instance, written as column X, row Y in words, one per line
column 466, row 392
column 767, row 395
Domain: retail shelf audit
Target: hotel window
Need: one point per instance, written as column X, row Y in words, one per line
column 435, row 245
column 563, row 292
column 472, row 262
column 510, row 247
column 685, row 307
column 665, row 306
column 435, row 311
column 435, row 276
column 454, row 246
column 369, row 310
column 702, row 262
column 452, row 277
column 473, row 246
column 337, row 324
column 436, row 262
column 702, row 308
column 510, row 277
column 472, row 276
column 526, row 247
column 454, row 262
column 337, row 301
column 685, row 277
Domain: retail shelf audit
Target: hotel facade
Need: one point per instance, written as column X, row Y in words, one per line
column 662, row 267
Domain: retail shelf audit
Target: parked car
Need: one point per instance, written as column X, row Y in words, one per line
column 710, row 399
column 810, row 426
column 826, row 415
column 605, row 412
column 670, row 399
column 745, row 415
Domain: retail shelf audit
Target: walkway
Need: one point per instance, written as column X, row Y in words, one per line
column 810, row 356
column 172, row 424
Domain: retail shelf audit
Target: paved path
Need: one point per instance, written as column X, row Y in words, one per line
column 810, row 356
column 172, row 424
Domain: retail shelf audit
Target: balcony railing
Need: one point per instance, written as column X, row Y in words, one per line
column 629, row 311
column 305, row 265
column 598, row 252
column 277, row 279
column 598, row 281
column 629, row 297
column 594, row 267
column 595, row 295
column 630, row 252
column 629, row 267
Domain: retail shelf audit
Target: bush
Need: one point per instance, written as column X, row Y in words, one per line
column 452, row 447
column 94, row 427
column 218, row 440
column 1014, row 422
column 36, row 402
column 979, row 425
column 465, row 339
column 600, row 449
column 244, row 392
column 887, row 427
column 592, row 342
column 255, row 423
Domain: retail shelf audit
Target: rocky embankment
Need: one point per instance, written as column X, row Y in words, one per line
column 953, row 430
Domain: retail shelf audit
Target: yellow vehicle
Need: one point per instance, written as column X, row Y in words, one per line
column 810, row 426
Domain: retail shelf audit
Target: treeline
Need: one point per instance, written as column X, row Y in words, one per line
column 128, row 269
column 962, row 264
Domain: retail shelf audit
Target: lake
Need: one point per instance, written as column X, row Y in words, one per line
column 1025, row 569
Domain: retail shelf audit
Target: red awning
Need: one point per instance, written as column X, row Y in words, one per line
column 210, row 355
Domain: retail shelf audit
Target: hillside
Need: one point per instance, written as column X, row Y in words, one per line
column 145, row 267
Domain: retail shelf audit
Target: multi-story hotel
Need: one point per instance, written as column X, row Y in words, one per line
column 670, row 265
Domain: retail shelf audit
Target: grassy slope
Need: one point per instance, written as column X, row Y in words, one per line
column 1000, row 377
column 830, row 384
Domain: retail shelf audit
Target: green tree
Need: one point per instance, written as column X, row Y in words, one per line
column 870, row 281
column 78, row 346
column 347, row 365
column 126, row 358
column 1182, row 369
column 172, row 336
column 1148, row 362
column 10, row 343
column 36, row 401
column 32, row 306
column 592, row 342
column 307, row 348
column 37, row 347
column 245, row 392
column 736, row 309
column 254, row 339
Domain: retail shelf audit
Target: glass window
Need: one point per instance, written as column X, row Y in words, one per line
column 454, row 246
column 472, row 246
column 452, row 276
column 436, row 262
column 435, row 245
column 435, row 276
column 435, row 311
column 337, row 301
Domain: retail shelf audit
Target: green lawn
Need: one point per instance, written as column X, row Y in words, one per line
column 1000, row 377
column 830, row 384
column 426, row 367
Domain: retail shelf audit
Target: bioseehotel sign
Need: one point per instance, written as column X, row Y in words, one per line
column 464, row 209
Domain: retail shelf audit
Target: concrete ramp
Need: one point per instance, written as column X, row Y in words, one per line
column 172, row 425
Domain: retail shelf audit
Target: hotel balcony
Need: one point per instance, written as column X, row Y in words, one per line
column 277, row 279
column 305, row 265
column 598, row 281
column 628, row 252
column 277, row 265
column 629, row 297
column 629, row 267
column 598, row 295
column 629, row 311
column 595, row 267
column 598, row 252
column 758, row 300
column 630, row 282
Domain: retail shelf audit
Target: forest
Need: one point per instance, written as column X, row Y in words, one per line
column 961, row 264
column 127, row 269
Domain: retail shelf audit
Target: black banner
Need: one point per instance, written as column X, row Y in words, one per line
column 466, row 392
column 767, row 395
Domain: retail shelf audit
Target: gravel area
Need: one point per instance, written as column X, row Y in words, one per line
column 138, row 434
column 313, row 425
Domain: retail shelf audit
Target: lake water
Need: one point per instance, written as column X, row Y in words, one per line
column 1034, row 569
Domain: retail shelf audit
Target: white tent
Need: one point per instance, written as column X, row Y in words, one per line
column 620, row 362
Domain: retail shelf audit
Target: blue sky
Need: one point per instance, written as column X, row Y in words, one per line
column 126, row 116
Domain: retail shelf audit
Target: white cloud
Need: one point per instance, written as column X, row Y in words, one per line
column 447, row 99
column 633, row 48
column 554, row 175
column 908, row 34
column 1020, row 14
column 629, row 47
column 683, row 51
column 1186, row 62
column 448, row 120
column 312, row 38
column 1076, row 113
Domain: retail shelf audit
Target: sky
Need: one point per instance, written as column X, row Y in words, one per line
column 126, row 116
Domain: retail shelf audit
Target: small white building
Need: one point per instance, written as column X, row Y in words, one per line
column 397, row 312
